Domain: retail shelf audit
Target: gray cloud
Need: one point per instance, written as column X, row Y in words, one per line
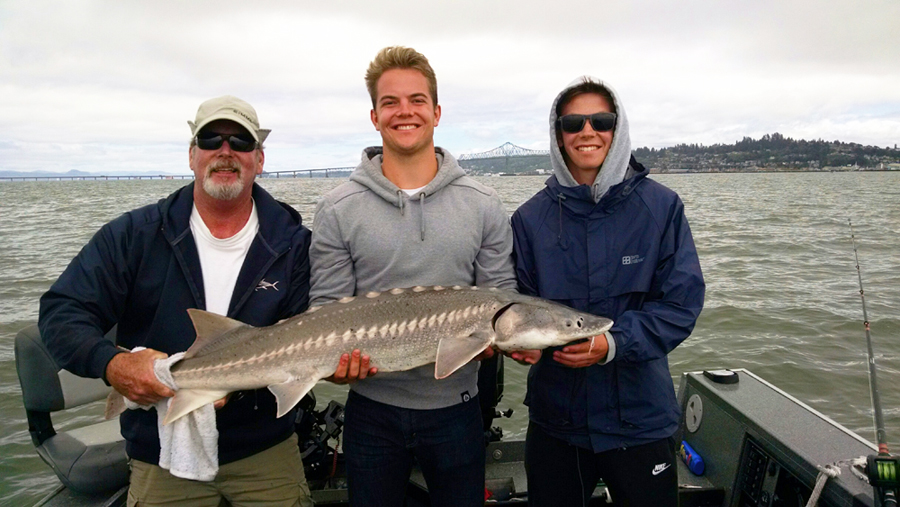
column 95, row 85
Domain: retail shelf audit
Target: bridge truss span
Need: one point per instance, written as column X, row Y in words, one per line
column 505, row 150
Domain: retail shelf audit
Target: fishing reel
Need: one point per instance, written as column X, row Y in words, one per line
column 314, row 430
column 882, row 468
column 883, row 471
column 490, row 392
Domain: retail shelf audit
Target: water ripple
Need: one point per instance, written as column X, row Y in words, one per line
column 782, row 295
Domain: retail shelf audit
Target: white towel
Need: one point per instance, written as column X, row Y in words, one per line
column 189, row 447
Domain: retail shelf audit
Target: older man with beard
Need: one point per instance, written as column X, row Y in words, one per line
column 222, row 244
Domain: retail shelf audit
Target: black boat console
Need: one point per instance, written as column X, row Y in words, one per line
column 763, row 448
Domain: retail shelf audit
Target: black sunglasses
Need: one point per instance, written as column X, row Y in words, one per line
column 213, row 141
column 574, row 123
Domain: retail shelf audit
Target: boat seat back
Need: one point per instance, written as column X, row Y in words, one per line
column 87, row 459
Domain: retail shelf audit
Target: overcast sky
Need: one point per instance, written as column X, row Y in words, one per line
column 109, row 85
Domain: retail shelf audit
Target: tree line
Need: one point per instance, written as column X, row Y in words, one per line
column 771, row 150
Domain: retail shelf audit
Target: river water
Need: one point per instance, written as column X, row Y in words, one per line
column 782, row 293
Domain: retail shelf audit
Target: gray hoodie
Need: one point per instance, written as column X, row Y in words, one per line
column 368, row 235
column 615, row 167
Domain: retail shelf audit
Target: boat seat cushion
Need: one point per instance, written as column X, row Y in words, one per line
column 87, row 459
column 90, row 459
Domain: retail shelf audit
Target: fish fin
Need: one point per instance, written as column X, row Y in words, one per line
column 454, row 353
column 289, row 393
column 186, row 401
column 115, row 404
column 209, row 326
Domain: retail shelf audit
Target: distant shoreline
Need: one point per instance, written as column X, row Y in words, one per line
column 332, row 173
column 764, row 170
column 771, row 153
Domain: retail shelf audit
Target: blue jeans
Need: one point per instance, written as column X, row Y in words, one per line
column 381, row 443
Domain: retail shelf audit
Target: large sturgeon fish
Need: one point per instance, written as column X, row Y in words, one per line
column 399, row 329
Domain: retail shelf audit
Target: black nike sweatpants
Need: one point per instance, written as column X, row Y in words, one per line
column 562, row 475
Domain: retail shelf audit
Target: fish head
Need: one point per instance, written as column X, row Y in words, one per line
column 541, row 324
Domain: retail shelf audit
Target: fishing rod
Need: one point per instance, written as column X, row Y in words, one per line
column 883, row 469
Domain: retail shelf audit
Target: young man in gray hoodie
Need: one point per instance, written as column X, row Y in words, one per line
column 409, row 216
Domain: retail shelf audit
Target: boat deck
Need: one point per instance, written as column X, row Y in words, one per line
column 760, row 447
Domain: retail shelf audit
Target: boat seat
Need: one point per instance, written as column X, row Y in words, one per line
column 88, row 459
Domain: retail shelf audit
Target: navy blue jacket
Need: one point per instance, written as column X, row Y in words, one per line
column 142, row 272
column 631, row 258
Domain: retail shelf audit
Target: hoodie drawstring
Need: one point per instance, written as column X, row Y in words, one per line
column 422, row 207
column 559, row 239
column 400, row 200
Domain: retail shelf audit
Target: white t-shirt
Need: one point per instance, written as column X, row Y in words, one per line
column 221, row 259
column 412, row 191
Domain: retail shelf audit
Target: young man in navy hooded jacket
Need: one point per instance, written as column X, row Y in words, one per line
column 604, row 238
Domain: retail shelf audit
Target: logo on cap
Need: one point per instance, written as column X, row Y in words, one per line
column 245, row 115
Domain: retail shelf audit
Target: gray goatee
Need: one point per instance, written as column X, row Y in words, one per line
column 223, row 191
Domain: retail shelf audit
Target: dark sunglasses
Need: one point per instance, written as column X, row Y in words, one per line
column 574, row 123
column 213, row 141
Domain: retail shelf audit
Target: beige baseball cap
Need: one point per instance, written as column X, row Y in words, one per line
column 229, row 108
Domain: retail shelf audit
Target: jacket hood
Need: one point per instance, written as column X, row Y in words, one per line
column 579, row 199
column 615, row 166
column 368, row 173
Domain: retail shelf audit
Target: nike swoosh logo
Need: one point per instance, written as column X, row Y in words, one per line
column 658, row 469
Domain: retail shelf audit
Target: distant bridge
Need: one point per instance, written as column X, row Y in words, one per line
column 515, row 158
column 96, row 177
column 505, row 150
column 326, row 172
column 506, row 159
